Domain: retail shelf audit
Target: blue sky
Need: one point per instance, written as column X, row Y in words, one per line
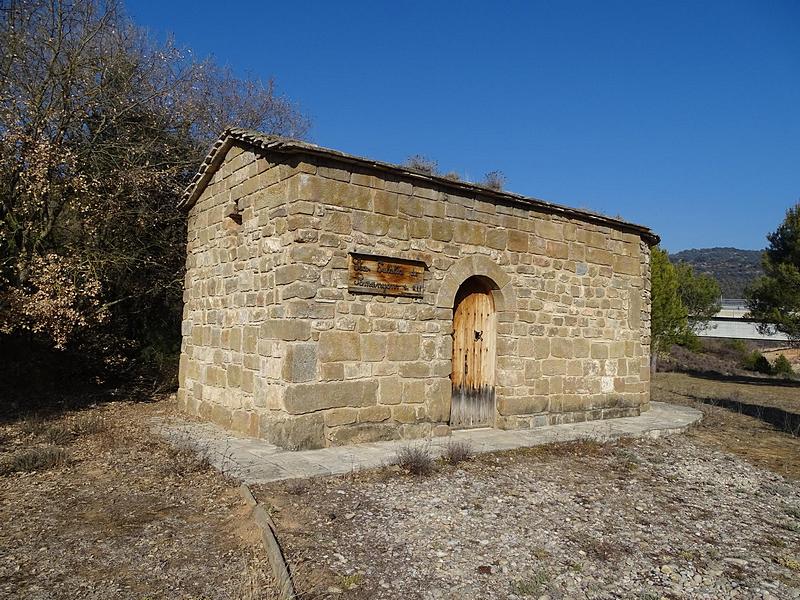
column 683, row 116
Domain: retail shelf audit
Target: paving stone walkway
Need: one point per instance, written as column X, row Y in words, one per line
column 256, row 461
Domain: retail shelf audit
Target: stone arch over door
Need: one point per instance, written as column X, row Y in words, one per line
column 502, row 291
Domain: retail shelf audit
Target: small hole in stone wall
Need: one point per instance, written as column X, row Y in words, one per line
column 235, row 214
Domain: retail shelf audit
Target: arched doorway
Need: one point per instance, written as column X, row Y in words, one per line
column 474, row 340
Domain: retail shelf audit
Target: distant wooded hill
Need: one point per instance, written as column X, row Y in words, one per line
column 733, row 268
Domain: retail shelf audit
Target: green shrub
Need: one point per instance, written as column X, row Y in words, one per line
column 690, row 341
column 755, row 361
column 782, row 366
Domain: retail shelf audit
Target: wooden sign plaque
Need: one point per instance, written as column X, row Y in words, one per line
column 386, row 276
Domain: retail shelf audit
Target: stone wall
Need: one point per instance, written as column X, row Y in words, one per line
column 275, row 346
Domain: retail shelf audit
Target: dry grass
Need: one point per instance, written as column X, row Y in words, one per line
column 58, row 434
column 126, row 515
column 748, row 437
column 185, row 458
column 297, row 487
column 457, row 451
column 415, row 459
column 751, row 390
column 39, row 458
column 90, row 424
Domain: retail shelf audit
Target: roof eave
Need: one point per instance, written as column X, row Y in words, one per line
column 288, row 146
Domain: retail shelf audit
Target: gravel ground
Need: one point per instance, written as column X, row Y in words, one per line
column 126, row 516
column 670, row 518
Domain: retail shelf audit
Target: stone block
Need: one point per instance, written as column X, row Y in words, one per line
column 442, row 230
column 250, row 339
column 390, row 390
column 404, row 413
column 517, row 241
column 286, row 329
column 221, row 415
column 549, row 230
column 295, row 272
column 554, row 366
column 234, row 375
column 419, row 228
column 627, row 265
column 616, row 349
column 371, row 223
column 410, row 206
column 437, row 399
column 300, row 363
column 414, row 431
column 541, row 347
column 337, row 222
column 533, row 370
column 309, row 397
column 335, row 346
column 299, row 289
column 403, row 346
column 414, row 391
column 304, row 432
column 415, row 369
column 441, row 431
column 523, row 405
column 333, row 372
column 385, row 203
column 374, row 414
column 599, row 257
column 497, row 239
column 362, row 433
column 366, row 180
column 467, row 232
column 560, row 347
column 635, row 311
column 242, row 421
column 580, row 348
column 373, row 347
column 313, row 255
column 340, row 416
column 557, row 249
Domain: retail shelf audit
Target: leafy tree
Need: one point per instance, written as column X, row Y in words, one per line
column 699, row 294
column 669, row 319
column 101, row 129
column 774, row 299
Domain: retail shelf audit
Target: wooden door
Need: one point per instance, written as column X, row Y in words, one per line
column 472, row 400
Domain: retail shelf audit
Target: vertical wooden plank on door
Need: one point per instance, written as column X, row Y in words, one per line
column 474, row 332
